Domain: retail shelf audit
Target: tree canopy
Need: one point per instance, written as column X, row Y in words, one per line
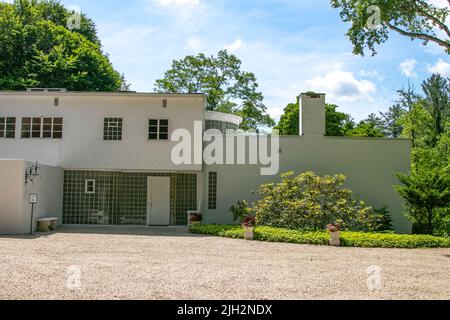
column 37, row 49
column 337, row 123
column 229, row 89
column 371, row 22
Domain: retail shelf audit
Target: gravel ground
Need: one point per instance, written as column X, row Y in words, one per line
column 148, row 263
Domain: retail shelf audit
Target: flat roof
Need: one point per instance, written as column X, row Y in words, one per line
column 99, row 93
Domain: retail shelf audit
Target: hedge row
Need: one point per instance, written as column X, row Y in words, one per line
column 348, row 239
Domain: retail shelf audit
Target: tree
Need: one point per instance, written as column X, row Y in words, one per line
column 426, row 189
column 365, row 128
column 436, row 90
column 391, row 121
column 38, row 50
column 337, row 123
column 371, row 22
column 290, row 121
column 427, row 195
column 228, row 88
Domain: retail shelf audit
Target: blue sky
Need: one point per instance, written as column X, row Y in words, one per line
column 291, row 45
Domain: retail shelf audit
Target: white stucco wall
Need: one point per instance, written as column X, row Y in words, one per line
column 12, row 188
column 83, row 147
column 15, row 210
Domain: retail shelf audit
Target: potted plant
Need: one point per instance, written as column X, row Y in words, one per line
column 334, row 230
column 249, row 225
column 195, row 218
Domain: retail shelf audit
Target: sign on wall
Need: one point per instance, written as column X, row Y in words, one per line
column 33, row 198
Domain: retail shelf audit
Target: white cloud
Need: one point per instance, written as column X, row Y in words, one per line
column 441, row 67
column 236, row 45
column 342, row 86
column 372, row 74
column 178, row 2
column 407, row 68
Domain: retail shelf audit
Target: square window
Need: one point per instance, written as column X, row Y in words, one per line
column 158, row 129
column 112, row 129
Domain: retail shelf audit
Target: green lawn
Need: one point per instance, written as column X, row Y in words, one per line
column 348, row 239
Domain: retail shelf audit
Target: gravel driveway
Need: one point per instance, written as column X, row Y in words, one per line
column 148, row 263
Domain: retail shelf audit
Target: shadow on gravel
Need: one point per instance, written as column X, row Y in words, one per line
column 130, row 230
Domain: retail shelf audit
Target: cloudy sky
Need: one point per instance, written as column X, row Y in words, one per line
column 292, row 46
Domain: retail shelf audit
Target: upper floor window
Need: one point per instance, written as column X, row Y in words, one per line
column 158, row 129
column 112, row 129
column 7, row 127
column 41, row 127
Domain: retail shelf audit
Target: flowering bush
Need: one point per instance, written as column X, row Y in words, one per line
column 334, row 227
column 311, row 202
column 249, row 222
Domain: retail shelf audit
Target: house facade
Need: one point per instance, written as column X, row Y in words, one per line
column 107, row 159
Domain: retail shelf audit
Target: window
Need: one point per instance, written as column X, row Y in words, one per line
column 112, row 130
column 89, row 186
column 212, row 191
column 158, row 129
column 40, row 127
column 7, row 127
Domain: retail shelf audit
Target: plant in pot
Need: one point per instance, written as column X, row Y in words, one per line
column 334, row 230
column 248, row 224
column 195, row 218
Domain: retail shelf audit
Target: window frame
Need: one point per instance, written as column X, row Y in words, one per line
column 112, row 129
column 86, row 186
column 212, row 190
column 6, row 124
column 40, row 128
column 158, row 127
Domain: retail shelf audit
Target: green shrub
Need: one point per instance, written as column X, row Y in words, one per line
column 312, row 202
column 348, row 238
column 240, row 211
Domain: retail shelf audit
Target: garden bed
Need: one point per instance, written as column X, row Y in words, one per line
column 348, row 239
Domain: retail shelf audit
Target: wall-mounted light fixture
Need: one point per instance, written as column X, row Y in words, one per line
column 31, row 173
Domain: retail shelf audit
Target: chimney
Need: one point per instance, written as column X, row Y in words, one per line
column 312, row 113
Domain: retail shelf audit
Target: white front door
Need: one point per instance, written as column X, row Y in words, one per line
column 158, row 201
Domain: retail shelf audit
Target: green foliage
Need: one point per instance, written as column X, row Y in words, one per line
column 427, row 195
column 426, row 189
column 308, row 201
column 437, row 102
column 365, row 129
column 337, row 123
column 348, row 239
column 391, row 121
column 240, row 211
column 229, row 89
column 289, row 121
column 416, row 19
column 38, row 50
column 383, row 220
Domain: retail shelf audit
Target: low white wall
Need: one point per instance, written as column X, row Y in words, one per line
column 12, row 186
column 15, row 210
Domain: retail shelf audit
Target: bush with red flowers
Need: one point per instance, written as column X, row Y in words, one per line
column 249, row 222
column 334, row 227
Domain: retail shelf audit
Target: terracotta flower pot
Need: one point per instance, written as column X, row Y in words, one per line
column 335, row 239
column 249, row 233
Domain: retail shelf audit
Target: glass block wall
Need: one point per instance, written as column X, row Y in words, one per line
column 220, row 125
column 120, row 198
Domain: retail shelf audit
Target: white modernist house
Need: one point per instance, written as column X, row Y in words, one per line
column 106, row 158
